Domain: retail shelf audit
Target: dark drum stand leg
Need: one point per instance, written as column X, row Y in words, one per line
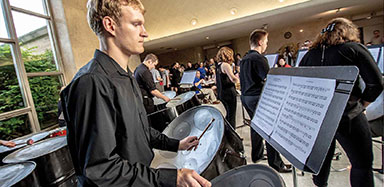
column 294, row 174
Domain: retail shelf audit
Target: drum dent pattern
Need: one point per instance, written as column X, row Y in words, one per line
column 36, row 150
column 254, row 175
column 13, row 173
column 193, row 123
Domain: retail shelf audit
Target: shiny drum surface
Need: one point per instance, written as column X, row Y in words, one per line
column 254, row 175
column 36, row 150
column 181, row 99
column 13, row 174
column 169, row 94
column 21, row 142
column 53, row 161
column 209, row 159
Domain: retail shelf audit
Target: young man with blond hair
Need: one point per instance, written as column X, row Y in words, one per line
column 108, row 134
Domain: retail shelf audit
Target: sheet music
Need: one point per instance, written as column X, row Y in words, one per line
column 274, row 93
column 300, row 115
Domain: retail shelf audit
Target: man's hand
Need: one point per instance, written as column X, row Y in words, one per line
column 188, row 143
column 7, row 143
column 189, row 178
column 166, row 99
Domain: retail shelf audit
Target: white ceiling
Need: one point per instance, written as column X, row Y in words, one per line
column 168, row 22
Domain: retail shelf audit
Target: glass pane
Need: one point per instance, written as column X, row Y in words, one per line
column 45, row 92
column 10, row 93
column 32, row 5
column 14, row 127
column 35, row 43
column 3, row 29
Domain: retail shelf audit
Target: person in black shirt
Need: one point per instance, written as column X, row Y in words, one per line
column 225, row 81
column 108, row 134
column 175, row 76
column 147, row 85
column 338, row 45
column 253, row 72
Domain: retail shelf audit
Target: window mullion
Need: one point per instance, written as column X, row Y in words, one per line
column 19, row 68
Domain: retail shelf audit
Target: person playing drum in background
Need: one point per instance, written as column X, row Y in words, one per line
column 254, row 69
column 338, row 44
column 108, row 134
column 147, row 86
column 7, row 143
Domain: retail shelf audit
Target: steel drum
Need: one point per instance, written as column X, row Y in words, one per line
column 163, row 117
column 254, row 175
column 169, row 94
column 220, row 148
column 21, row 142
column 20, row 174
column 54, row 164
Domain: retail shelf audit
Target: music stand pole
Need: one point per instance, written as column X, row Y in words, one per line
column 294, row 174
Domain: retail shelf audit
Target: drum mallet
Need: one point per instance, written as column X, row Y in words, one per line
column 205, row 130
column 28, row 142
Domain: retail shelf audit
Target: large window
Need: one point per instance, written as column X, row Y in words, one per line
column 30, row 68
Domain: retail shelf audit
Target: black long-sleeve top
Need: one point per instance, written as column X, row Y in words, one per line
column 253, row 70
column 145, row 80
column 108, row 134
column 353, row 54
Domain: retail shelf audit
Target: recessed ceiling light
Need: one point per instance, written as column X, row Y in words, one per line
column 194, row 21
column 301, row 30
column 233, row 11
column 207, row 37
column 281, row 1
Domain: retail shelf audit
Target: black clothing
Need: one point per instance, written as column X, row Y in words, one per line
column 254, row 69
column 274, row 159
column 175, row 78
column 108, row 134
column 353, row 133
column 226, row 93
column 145, row 80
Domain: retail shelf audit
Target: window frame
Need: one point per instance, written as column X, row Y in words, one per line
column 22, row 75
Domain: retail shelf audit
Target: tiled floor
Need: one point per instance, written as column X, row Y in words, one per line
column 339, row 174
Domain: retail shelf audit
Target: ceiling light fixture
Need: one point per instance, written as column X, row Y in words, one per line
column 207, row 37
column 233, row 11
column 301, row 30
column 194, row 21
column 281, row 1
column 338, row 10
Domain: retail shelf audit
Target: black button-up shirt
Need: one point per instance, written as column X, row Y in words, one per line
column 145, row 80
column 253, row 70
column 108, row 133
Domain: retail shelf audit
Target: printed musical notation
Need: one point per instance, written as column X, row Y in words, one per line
column 292, row 114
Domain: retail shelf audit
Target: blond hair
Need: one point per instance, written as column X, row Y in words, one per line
column 225, row 54
column 98, row 9
column 151, row 57
column 337, row 31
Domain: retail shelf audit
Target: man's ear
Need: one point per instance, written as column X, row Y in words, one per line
column 109, row 25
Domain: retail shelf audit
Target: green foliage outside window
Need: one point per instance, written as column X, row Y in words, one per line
column 45, row 90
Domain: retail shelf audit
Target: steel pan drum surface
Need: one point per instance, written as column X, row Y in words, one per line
column 169, row 94
column 253, row 175
column 181, row 99
column 36, row 150
column 193, row 123
column 13, row 173
column 23, row 141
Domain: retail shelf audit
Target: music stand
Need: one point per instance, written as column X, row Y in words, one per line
column 272, row 59
column 345, row 77
column 300, row 56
